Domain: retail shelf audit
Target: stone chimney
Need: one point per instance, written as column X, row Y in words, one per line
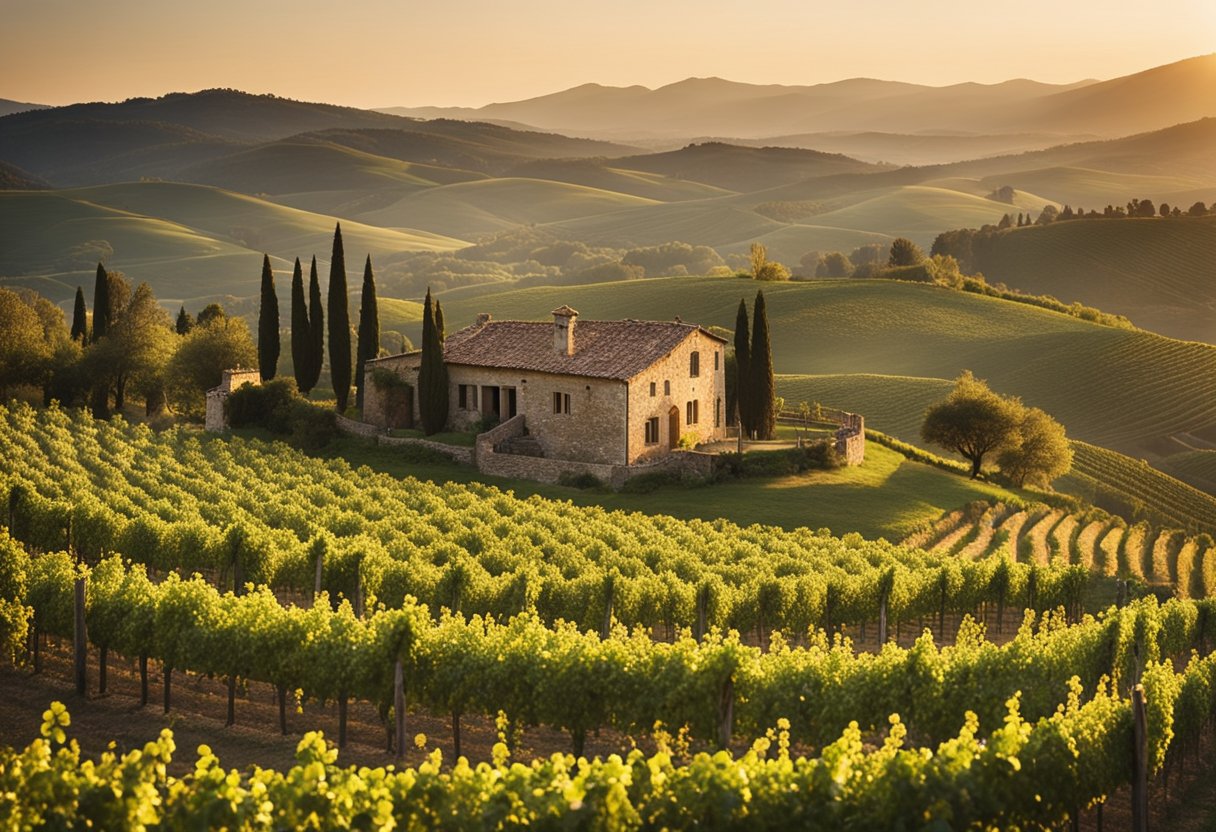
column 563, row 330
column 483, row 318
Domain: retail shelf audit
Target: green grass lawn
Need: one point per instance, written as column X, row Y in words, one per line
column 887, row 497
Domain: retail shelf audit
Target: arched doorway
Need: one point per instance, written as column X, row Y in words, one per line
column 673, row 426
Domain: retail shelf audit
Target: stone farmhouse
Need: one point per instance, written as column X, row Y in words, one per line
column 606, row 398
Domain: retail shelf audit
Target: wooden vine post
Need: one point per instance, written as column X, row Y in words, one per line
column 882, row 619
column 80, row 640
column 1139, row 761
column 399, row 706
column 726, row 712
column 702, row 612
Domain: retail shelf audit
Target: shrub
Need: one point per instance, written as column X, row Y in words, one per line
column 582, row 481
column 265, row 405
column 311, row 427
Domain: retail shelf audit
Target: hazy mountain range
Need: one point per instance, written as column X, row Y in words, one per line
column 184, row 189
column 1147, row 100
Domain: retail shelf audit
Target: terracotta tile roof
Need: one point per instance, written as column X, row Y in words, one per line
column 602, row 349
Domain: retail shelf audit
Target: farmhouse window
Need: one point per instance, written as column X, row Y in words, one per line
column 467, row 396
column 692, row 412
column 694, row 364
column 717, row 355
column 561, row 403
column 718, row 411
column 652, row 388
column 652, row 430
column 667, row 388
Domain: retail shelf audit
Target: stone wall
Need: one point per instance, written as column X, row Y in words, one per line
column 674, row 388
column 541, row 469
column 851, row 439
column 382, row 404
column 456, row 453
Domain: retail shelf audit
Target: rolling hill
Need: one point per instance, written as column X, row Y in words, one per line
column 1123, row 389
column 738, row 168
column 295, row 166
column 469, row 209
column 8, row 107
column 186, row 241
column 1158, row 272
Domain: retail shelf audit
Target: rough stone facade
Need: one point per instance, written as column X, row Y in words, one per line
column 851, row 438
column 674, row 389
column 217, row 421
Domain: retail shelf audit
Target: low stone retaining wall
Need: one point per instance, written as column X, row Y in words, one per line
column 544, row 469
column 378, row 435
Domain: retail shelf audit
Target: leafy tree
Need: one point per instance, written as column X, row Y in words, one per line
column 810, row 262
column 136, row 350
column 1165, row 209
column 834, row 264
column 973, row 421
column 301, row 335
column 23, row 348
column 1197, row 210
column 743, row 366
column 316, row 325
column 870, row 253
column 1042, row 452
column 268, row 324
column 762, row 385
column 80, row 318
column 211, row 312
column 432, row 375
column 204, row 353
column 758, row 257
column 369, row 329
column 1048, row 215
column 904, row 252
column 339, row 324
column 184, row 322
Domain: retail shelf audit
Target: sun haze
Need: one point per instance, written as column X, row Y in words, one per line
column 471, row 52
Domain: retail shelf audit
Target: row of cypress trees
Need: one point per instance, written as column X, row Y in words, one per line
column 308, row 327
column 756, row 394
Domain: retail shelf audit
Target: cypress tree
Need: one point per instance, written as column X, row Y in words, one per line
column 369, row 329
column 763, row 387
column 184, row 322
column 301, row 335
column 316, row 327
column 743, row 365
column 80, row 318
column 439, row 321
column 339, row 324
column 101, row 304
column 268, row 324
column 432, row 375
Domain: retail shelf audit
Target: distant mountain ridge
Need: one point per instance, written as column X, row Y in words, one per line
column 1158, row 97
column 8, row 107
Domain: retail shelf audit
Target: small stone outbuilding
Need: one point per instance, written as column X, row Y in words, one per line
column 217, row 421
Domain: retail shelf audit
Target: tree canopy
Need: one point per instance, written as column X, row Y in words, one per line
column 975, row 422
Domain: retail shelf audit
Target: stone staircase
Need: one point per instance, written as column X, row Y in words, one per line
column 525, row 445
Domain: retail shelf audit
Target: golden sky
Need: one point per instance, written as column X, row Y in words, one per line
column 372, row 53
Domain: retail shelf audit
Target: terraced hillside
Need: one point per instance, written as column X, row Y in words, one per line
column 1105, row 545
column 1133, row 487
column 1121, row 389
